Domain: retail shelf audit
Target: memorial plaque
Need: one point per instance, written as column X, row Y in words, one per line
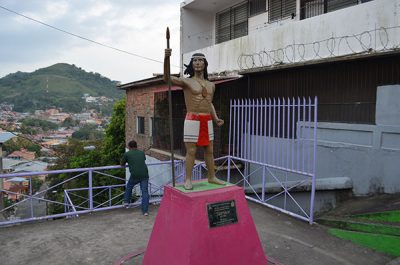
column 222, row 213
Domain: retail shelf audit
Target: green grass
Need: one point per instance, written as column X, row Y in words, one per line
column 389, row 216
column 357, row 225
column 382, row 243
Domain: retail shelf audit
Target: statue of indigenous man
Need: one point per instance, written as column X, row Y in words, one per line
column 198, row 126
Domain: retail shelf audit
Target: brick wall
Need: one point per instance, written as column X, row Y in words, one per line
column 140, row 102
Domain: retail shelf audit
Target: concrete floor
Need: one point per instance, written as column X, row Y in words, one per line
column 105, row 237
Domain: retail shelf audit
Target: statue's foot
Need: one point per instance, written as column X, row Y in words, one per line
column 214, row 180
column 188, row 185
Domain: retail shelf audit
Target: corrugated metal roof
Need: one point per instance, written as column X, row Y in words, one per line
column 32, row 166
column 5, row 136
column 16, row 179
column 11, row 163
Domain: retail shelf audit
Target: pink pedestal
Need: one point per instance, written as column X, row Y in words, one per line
column 182, row 235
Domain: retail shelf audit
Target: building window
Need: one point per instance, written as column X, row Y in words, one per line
column 333, row 5
column 280, row 9
column 232, row 23
column 140, row 125
column 151, row 126
column 257, row 6
column 312, row 8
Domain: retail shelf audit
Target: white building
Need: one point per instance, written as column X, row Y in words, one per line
column 90, row 99
column 238, row 35
column 346, row 52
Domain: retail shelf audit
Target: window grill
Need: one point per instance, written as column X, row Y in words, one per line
column 312, row 8
column 257, row 6
column 232, row 23
column 280, row 9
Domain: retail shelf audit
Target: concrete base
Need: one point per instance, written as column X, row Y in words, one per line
column 184, row 235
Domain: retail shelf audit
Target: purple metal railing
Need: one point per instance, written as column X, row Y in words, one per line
column 200, row 170
column 275, row 139
column 32, row 209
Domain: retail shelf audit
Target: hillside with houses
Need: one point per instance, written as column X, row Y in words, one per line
column 62, row 86
column 42, row 111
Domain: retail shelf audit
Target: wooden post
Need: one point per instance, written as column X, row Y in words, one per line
column 171, row 132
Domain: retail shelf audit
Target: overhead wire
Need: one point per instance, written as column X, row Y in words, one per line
column 82, row 37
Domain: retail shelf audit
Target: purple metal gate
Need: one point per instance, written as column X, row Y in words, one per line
column 274, row 142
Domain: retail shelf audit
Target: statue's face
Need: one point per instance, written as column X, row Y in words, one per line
column 198, row 64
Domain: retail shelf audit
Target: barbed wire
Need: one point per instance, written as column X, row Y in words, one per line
column 375, row 40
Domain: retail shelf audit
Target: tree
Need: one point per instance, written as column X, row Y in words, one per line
column 44, row 125
column 114, row 140
column 69, row 122
column 88, row 132
column 20, row 143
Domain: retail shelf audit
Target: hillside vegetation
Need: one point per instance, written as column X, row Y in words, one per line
column 60, row 85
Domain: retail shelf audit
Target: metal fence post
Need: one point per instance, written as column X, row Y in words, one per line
column 263, row 185
column 90, row 172
column 30, row 195
column 314, row 161
column 110, row 196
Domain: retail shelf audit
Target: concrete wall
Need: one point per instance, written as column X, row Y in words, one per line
column 368, row 154
column 198, row 30
column 266, row 37
column 325, row 200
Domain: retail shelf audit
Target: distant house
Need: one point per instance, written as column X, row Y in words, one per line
column 22, row 154
column 54, row 142
column 90, row 99
column 32, row 166
column 10, row 164
column 58, row 117
column 82, row 116
column 16, row 187
column 62, row 134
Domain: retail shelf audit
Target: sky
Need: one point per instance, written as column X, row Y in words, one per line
column 135, row 26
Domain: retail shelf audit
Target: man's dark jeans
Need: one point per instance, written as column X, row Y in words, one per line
column 144, row 188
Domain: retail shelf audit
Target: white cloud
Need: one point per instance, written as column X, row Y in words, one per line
column 131, row 25
column 96, row 10
column 55, row 10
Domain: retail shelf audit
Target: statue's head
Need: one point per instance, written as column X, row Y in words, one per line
column 189, row 68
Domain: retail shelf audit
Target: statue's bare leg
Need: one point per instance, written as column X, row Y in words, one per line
column 209, row 159
column 190, row 157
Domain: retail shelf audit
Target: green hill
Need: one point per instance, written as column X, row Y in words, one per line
column 60, row 85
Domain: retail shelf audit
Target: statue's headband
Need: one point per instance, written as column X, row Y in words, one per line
column 198, row 56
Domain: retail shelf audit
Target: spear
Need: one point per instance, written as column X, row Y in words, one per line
column 171, row 133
